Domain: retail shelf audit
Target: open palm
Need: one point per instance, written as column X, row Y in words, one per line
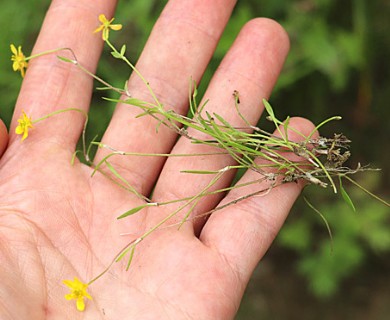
column 57, row 222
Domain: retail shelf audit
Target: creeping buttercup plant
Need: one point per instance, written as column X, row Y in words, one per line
column 319, row 161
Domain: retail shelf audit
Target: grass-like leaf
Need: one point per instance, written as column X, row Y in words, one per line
column 322, row 218
column 346, row 196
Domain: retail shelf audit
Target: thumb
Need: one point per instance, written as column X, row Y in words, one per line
column 3, row 137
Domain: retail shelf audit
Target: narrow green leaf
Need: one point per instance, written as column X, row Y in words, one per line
column 272, row 117
column 286, row 124
column 126, row 87
column 132, row 211
column 203, row 106
column 125, row 251
column 126, row 183
column 112, row 169
column 135, row 102
column 113, row 99
column 103, row 88
column 116, row 55
column 323, row 219
column 199, row 171
column 130, row 258
column 66, row 59
column 269, row 109
column 195, row 93
column 210, row 118
column 223, row 121
column 123, row 50
column 346, row 197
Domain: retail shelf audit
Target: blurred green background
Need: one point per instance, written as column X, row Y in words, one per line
column 339, row 64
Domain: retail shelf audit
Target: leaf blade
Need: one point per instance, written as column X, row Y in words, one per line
column 346, row 196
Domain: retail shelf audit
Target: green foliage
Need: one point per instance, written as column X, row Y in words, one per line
column 325, row 270
column 321, row 46
column 326, row 262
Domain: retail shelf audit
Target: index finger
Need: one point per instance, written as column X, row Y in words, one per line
column 51, row 84
column 3, row 137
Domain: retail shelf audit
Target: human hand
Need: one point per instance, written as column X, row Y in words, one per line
column 58, row 222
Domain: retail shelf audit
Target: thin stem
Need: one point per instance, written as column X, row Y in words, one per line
column 367, row 191
column 136, row 71
column 84, row 127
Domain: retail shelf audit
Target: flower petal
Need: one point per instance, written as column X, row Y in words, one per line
column 87, row 295
column 69, row 296
column 19, row 130
column 13, row 49
column 100, row 28
column 102, row 18
column 116, row 27
column 105, row 33
column 15, row 66
column 80, row 304
column 72, row 284
column 25, row 134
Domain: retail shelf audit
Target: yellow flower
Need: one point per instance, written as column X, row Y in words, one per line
column 106, row 25
column 24, row 124
column 78, row 292
column 20, row 62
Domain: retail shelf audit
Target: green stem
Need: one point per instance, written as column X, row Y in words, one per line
column 137, row 72
column 367, row 191
column 84, row 127
column 47, row 53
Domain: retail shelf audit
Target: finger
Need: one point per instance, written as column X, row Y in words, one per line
column 179, row 48
column 243, row 232
column 3, row 137
column 251, row 67
column 51, row 84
